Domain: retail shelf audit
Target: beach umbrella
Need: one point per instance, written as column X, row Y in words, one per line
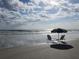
column 59, row 30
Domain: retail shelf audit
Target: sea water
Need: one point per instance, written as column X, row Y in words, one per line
column 10, row 39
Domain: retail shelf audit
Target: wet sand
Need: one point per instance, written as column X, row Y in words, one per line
column 41, row 52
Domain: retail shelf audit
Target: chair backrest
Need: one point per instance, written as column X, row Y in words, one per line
column 62, row 37
column 49, row 37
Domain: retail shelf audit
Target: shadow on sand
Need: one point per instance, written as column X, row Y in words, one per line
column 61, row 46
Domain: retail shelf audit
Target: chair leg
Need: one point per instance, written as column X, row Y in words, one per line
column 63, row 42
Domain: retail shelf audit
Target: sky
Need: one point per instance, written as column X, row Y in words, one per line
column 39, row 14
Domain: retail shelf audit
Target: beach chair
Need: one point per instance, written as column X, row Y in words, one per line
column 49, row 37
column 56, row 41
column 50, row 40
column 62, row 37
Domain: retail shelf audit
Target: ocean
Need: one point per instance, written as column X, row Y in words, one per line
column 10, row 39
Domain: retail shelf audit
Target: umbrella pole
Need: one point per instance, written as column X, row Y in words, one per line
column 58, row 36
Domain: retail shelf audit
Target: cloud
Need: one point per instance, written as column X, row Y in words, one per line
column 67, row 25
column 74, row 1
column 16, row 12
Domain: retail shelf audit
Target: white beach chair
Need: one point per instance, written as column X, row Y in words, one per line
column 56, row 41
column 50, row 40
column 62, row 37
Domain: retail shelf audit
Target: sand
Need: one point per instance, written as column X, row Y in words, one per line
column 41, row 52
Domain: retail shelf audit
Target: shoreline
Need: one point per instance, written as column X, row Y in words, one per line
column 36, row 44
column 41, row 52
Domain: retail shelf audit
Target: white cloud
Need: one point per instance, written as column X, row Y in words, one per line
column 15, row 12
column 66, row 25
